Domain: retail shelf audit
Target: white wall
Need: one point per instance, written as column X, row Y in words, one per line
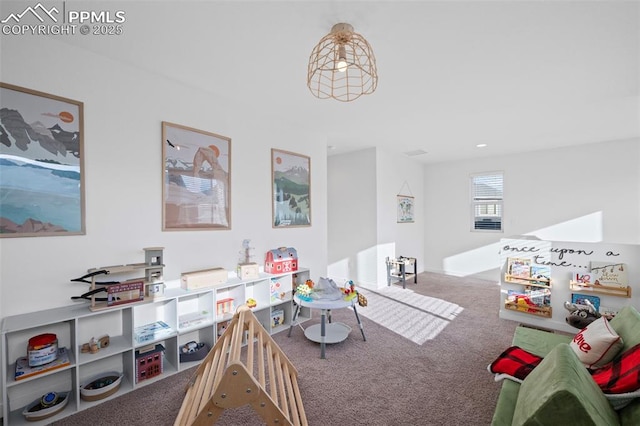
column 123, row 110
column 363, row 228
column 399, row 175
column 352, row 214
column 587, row 193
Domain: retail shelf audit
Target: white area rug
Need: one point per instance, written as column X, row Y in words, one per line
column 414, row 316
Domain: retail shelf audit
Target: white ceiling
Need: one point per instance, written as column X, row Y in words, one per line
column 515, row 75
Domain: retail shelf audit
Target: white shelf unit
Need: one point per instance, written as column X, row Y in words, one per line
column 191, row 315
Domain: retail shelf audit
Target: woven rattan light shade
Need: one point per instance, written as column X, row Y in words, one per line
column 342, row 66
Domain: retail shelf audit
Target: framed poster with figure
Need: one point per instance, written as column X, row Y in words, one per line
column 41, row 164
column 291, row 186
column 196, row 172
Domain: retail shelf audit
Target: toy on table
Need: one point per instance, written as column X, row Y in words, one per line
column 349, row 290
column 362, row 301
column 304, row 291
column 326, row 289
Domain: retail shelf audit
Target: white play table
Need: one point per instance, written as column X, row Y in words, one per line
column 324, row 333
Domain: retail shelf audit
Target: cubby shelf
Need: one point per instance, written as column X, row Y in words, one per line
column 190, row 315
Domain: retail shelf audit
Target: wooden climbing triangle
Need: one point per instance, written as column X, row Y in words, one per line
column 245, row 366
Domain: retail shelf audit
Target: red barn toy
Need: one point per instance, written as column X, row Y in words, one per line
column 283, row 259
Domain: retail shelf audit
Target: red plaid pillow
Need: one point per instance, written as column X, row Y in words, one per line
column 621, row 375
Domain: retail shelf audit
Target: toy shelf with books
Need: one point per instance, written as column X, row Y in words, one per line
column 146, row 340
column 533, row 295
column 600, row 273
column 601, row 287
column 605, row 278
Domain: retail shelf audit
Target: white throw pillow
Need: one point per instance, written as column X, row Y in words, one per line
column 597, row 343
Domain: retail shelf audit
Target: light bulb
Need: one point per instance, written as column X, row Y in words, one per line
column 342, row 59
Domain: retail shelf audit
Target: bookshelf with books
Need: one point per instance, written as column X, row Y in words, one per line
column 538, row 278
column 533, row 295
column 605, row 278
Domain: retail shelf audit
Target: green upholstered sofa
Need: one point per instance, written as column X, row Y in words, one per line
column 560, row 390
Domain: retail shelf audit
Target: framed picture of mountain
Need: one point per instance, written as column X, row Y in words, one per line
column 291, row 186
column 196, row 171
column 41, row 164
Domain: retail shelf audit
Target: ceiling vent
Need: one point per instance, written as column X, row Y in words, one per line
column 415, row 152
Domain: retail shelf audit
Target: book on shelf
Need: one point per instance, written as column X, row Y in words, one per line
column 540, row 274
column 581, row 277
column 23, row 370
column 519, row 268
column 279, row 291
column 609, row 274
column 540, row 297
column 581, row 298
column 277, row 318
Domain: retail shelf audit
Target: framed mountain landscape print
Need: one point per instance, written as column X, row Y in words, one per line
column 41, row 164
column 291, row 183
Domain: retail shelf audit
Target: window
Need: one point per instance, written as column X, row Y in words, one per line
column 486, row 202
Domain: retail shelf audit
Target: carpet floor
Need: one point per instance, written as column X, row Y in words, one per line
column 423, row 363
